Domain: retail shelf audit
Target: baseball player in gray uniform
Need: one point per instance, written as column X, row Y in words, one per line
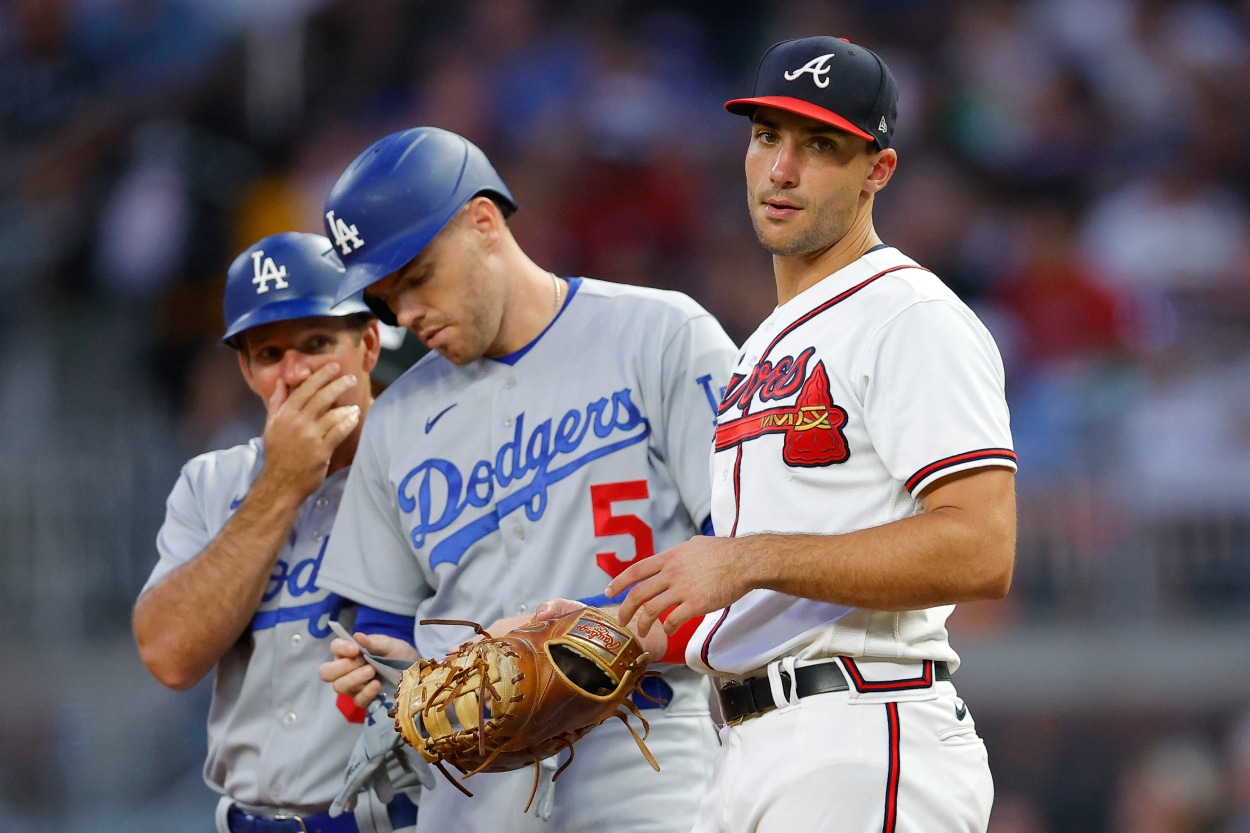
column 236, row 586
column 558, row 431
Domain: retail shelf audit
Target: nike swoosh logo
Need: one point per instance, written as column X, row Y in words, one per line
column 961, row 711
column 234, row 504
column 429, row 423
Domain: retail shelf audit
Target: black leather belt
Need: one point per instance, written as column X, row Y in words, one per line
column 740, row 700
column 402, row 813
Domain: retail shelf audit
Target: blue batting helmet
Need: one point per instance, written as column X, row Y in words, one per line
column 284, row 276
column 397, row 195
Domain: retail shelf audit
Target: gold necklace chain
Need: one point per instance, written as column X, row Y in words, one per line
column 556, row 282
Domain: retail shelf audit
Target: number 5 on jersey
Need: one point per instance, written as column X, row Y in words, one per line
column 602, row 497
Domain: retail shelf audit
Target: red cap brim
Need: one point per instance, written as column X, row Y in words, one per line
column 745, row 106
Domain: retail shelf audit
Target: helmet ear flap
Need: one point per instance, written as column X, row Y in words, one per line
column 381, row 310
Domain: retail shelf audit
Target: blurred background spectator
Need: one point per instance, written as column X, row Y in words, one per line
column 1077, row 170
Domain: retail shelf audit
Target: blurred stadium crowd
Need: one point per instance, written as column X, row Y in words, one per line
column 1078, row 170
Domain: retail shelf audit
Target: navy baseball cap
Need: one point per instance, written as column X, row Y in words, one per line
column 830, row 80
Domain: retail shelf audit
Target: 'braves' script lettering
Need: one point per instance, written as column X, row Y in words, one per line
column 770, row 381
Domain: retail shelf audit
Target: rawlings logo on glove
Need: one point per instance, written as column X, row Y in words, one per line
column 505, row 702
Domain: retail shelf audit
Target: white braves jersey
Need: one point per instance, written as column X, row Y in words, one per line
column 277, row 736
column 845, row 404
column 480, row 491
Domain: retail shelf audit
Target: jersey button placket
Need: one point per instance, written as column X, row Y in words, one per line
column 511, row 526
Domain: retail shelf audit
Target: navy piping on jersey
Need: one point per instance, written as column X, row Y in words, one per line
column 514, row 357
column 835, row 300
column 877, row 247
column 372, row 620
column 967, row 456
column 707, row 643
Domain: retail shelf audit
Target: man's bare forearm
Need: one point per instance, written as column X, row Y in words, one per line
column 188, row 621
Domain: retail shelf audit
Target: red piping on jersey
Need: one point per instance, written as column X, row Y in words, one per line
column 894, row 774
column 925, row 680
column 968, row 456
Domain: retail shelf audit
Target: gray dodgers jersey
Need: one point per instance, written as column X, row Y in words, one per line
column 277, row 736
column 479, row 491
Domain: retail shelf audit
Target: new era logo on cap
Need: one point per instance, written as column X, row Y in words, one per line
column 830, row 80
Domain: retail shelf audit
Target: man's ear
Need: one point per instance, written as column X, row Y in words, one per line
column 372, row 340
column 483, row 216
column 883, row 166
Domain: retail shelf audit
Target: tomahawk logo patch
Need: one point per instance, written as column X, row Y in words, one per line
column 812, row 425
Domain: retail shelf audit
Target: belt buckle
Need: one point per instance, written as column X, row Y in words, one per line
column 737, row 720
column 292, row 817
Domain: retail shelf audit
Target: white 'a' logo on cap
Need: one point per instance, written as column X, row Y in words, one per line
column 818, row 67
column 881, row 128
column 267, row 271
column 344, row 234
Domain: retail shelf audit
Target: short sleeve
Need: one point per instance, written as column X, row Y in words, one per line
column 184, row 534
column 934, row 396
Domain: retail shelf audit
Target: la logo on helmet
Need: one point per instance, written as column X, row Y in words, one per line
column 267, row 271
column 818, row 67
column 344, row 234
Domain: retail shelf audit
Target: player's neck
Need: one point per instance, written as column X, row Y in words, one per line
column 534, row 298
column 798, row 273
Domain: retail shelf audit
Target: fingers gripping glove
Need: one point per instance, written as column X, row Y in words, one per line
column 502, row 703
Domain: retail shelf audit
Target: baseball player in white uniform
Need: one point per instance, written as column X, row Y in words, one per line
column 557, row 433
column 236, row 586
column 863, row 483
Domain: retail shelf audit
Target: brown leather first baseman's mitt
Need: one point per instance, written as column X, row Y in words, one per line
column 503, row 702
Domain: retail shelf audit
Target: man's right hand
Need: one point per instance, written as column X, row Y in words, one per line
column 303, row 428
column 351, row 675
